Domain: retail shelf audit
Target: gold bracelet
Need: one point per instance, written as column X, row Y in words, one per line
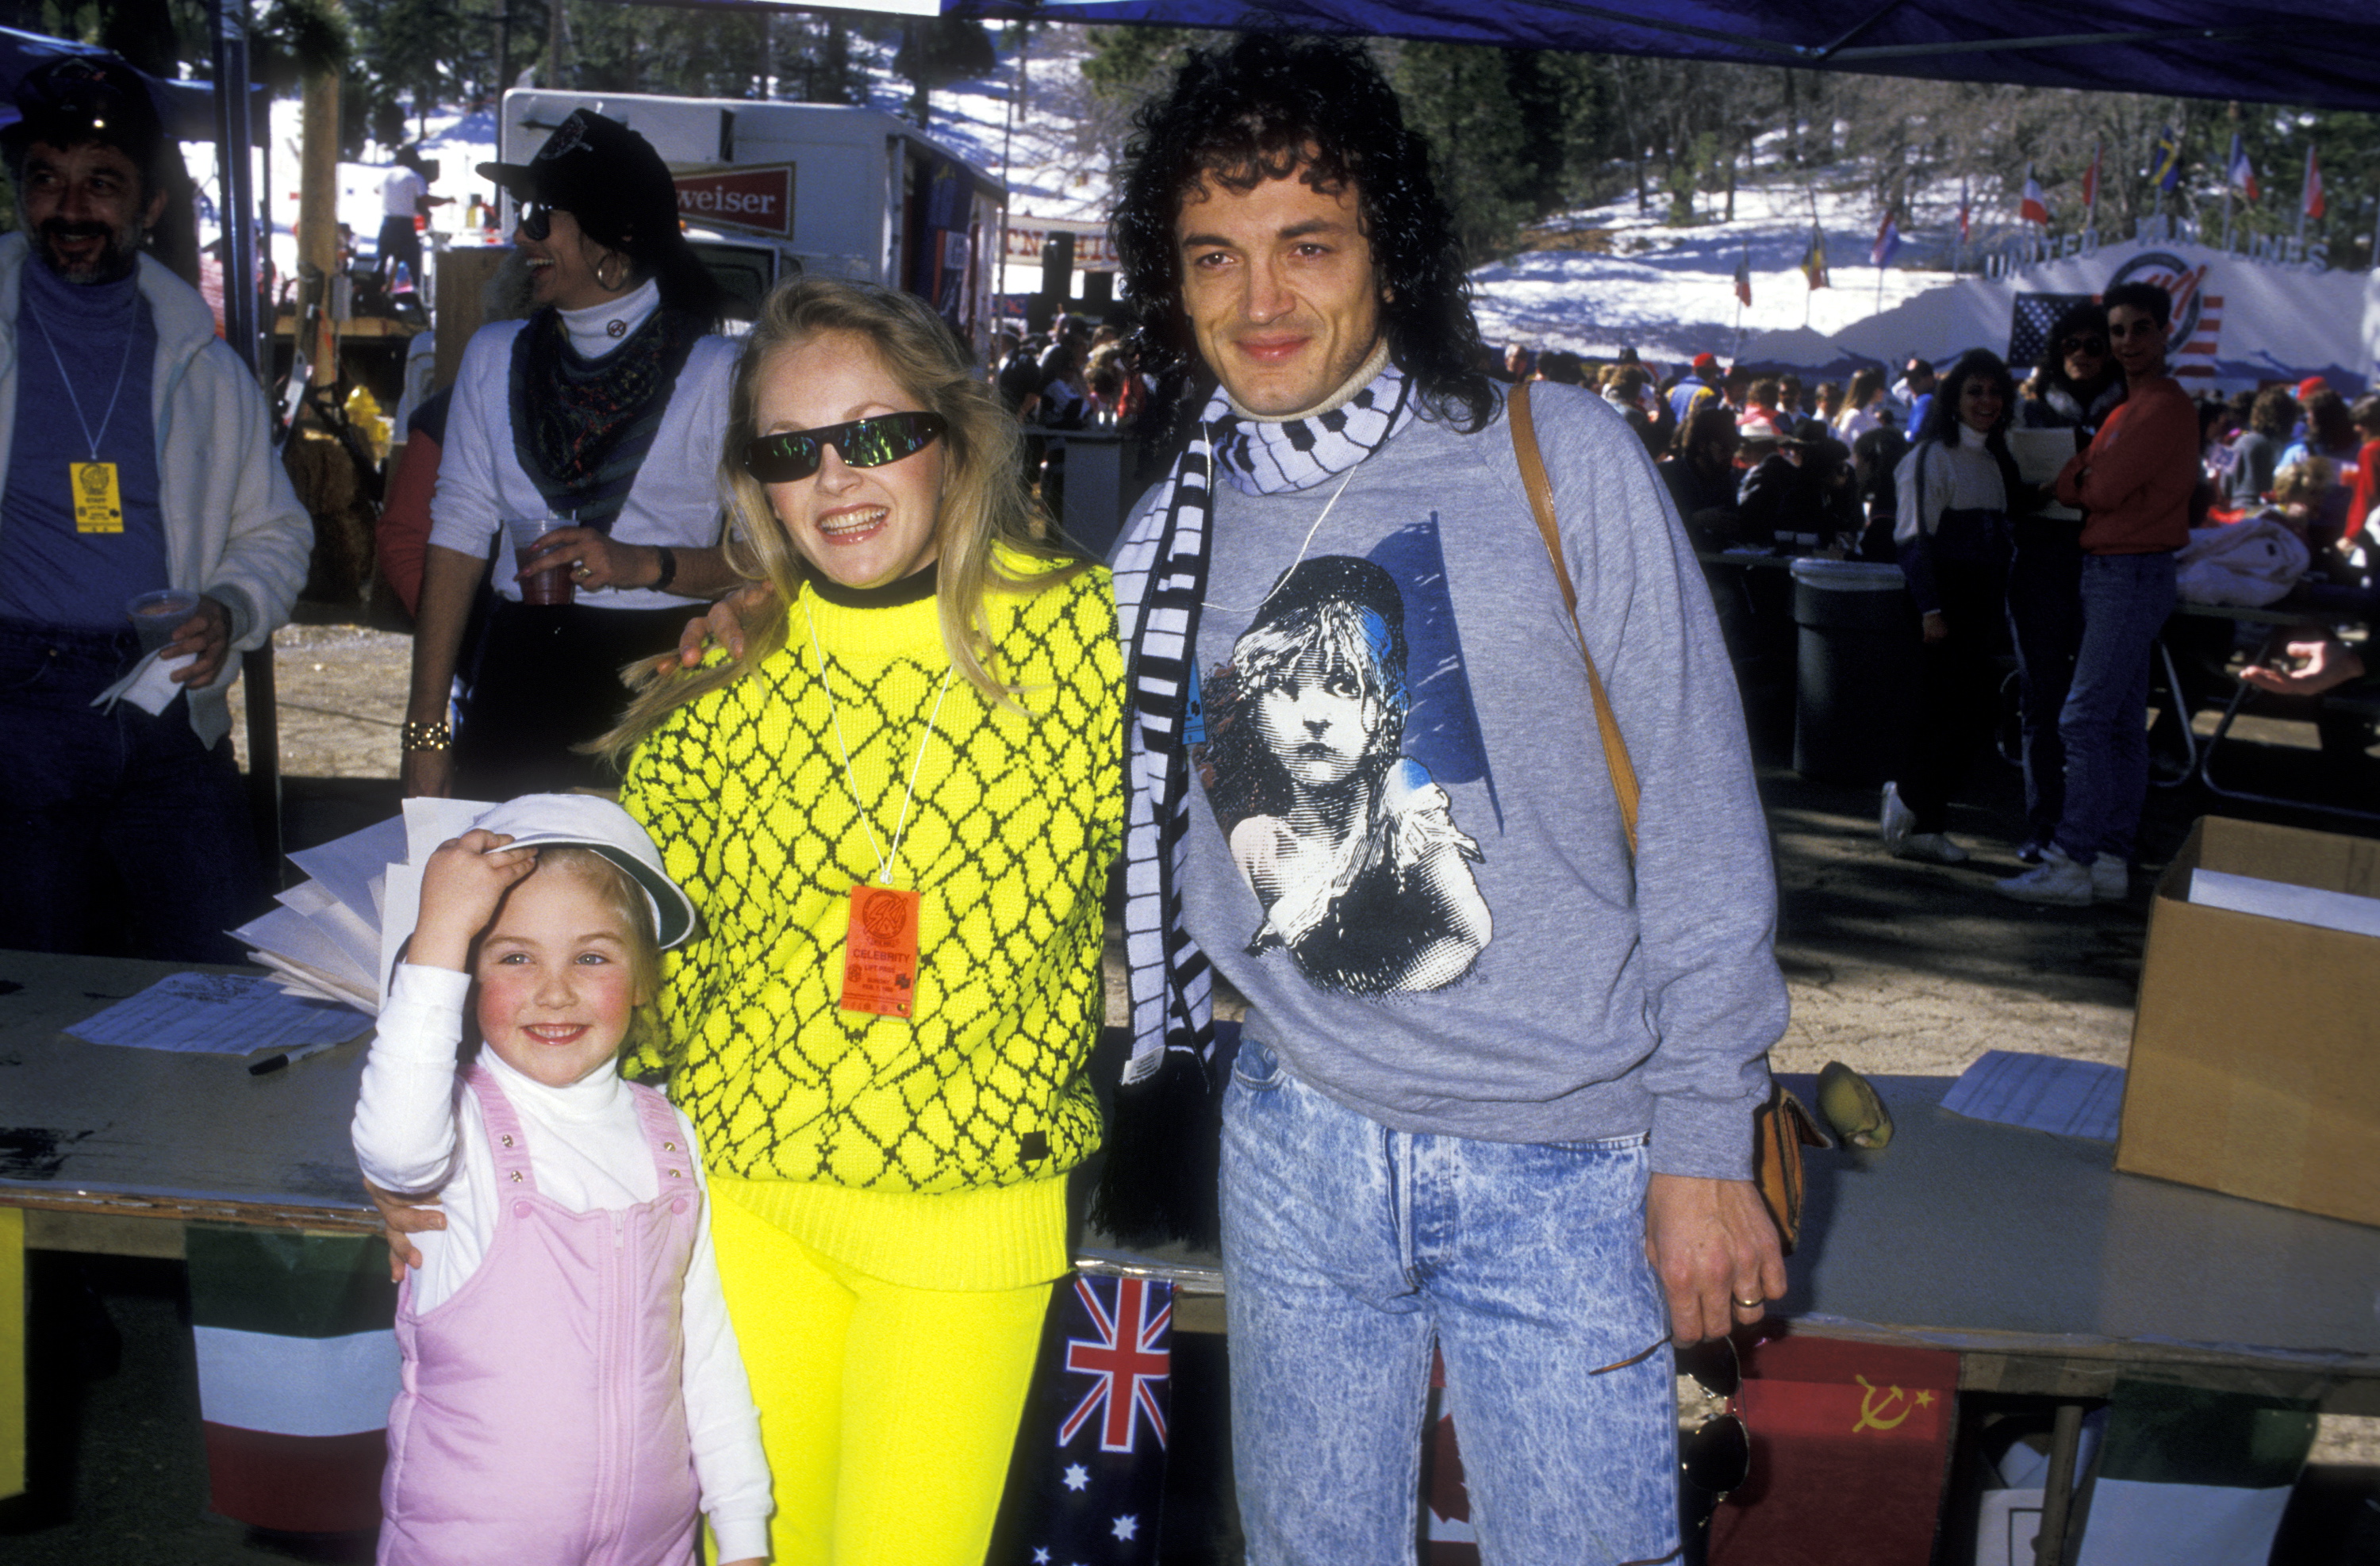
column 428, row 736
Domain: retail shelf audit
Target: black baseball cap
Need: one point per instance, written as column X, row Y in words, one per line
column 85, row 98
column 606, row 177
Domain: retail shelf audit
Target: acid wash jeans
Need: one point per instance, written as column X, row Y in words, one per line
column 1348, row 1248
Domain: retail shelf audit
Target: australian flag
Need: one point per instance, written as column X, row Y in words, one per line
column 1088, row 1479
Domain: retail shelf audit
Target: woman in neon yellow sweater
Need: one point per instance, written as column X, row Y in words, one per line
column 895, row 809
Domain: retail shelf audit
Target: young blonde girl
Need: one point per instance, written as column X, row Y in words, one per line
column 572, row 1387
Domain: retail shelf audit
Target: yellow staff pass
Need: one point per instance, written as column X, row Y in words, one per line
column 98, row 505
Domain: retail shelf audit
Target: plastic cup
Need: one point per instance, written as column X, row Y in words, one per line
column 551, row 586
column 156, row 615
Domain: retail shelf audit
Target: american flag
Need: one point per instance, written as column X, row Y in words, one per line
column 2031, row 320
column 2195, row 359
column 1088, row 1480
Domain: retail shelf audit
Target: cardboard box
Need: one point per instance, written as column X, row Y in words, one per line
column 2255, row 1066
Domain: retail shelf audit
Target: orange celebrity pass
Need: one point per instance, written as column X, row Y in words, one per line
column 879, row 952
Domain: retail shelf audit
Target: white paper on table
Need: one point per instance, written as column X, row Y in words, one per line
column 316, row 985
column 2280, row 900
column 290, row 935
column 427, row 823
column 2041, row 455
column 357, row 937
column 212, row 1013
column 2040, row 1093
column 346, row 866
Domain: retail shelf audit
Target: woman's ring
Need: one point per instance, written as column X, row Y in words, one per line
column 581, row 571
column 1750, row 1305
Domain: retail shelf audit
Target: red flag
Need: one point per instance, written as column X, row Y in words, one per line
column 1849, row 1441
column 2091, row 179
column 1743, row 278
column 1964, row 211
column 2033, row 207
column 2314, row 204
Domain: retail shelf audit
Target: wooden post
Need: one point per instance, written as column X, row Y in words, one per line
column 318, row 216
column 463, row 274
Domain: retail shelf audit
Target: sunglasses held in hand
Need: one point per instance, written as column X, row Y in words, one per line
column 1715, row 1454
column 793, row 455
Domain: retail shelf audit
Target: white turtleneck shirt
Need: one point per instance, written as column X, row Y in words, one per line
column 419, row 1129
column 593, row 329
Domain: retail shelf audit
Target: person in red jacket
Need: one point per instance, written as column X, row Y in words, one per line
column 2133, row 485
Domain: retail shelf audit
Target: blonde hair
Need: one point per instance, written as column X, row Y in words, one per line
column 984, row 504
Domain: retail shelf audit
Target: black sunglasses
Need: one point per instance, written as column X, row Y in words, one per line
column 2083, row 345
column 536, row 220
column 1716, row 1455
column 793, row 456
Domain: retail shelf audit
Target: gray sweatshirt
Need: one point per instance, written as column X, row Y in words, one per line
column 1405, row 850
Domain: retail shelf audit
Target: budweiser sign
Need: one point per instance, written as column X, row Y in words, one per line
column 758, row 197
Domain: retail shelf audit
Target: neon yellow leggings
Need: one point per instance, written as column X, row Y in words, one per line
column 888, row 1414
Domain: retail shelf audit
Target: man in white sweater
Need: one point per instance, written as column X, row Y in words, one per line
column 135, row 459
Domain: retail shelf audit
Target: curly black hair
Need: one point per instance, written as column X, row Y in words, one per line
column 1265, row 106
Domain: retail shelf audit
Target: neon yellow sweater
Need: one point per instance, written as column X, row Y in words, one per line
column 929, row 1149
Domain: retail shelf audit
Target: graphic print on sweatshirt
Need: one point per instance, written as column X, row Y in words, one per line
column 1328, row 738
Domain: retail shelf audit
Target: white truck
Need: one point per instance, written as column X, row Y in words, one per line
column 769, row 188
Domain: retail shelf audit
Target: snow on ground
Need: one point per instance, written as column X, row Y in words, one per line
column 1668, row 291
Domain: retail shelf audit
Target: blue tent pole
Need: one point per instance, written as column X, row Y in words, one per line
column 234, row 135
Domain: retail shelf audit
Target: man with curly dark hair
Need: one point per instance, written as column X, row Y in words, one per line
column 1495, row 1082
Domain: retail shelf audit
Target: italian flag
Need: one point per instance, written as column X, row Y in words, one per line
column 298, row 1365
column 2189, row 1477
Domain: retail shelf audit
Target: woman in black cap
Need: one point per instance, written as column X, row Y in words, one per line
column 601, row 414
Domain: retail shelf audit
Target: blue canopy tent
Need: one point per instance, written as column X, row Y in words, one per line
column 2322, row 55
column 187, row 108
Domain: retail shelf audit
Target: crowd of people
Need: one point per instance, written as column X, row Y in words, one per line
column 2064, row 577
column 881, row 735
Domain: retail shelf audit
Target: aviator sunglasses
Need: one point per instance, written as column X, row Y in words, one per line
column 793, row 455
column 1715, row 1454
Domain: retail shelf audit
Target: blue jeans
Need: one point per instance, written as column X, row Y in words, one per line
column 2126, row 599
column 92, row 800
column 1349, row 1248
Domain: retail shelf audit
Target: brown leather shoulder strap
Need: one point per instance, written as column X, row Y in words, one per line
column 1541, row 501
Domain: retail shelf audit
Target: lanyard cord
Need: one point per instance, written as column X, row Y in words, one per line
column 884, row 862
column 131, row 336
column 1301, row 547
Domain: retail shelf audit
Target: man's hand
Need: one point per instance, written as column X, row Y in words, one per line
column 727, row 623
column 1715, row 1246
column 403, row 1216
column 206, row 633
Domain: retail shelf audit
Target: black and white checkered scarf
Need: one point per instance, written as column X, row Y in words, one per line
column 1160, row 580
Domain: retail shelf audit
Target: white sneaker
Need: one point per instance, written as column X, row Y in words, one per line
column 1932, row 847
column 2056, row 880
column 2111, row 879
column 1894, row 823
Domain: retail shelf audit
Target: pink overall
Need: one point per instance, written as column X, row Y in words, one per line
column 542, row 1421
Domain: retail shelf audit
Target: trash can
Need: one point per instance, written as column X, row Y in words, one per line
column 1856, row 670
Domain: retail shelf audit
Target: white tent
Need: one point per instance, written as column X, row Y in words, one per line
column 2238, row 323
column 1799, row 349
